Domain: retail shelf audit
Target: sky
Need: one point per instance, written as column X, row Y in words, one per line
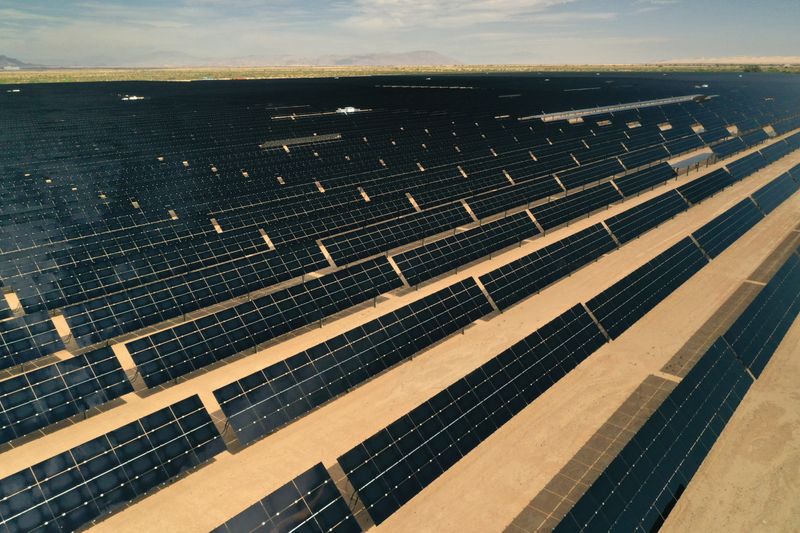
column 117, row 32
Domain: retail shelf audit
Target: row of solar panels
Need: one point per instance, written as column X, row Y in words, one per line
column 399, row 461
column 639, row 488
column 260, row 403
column 107, row 271
column 194, row 345
column 114, row 315
column 172, row 353
column 389, row 468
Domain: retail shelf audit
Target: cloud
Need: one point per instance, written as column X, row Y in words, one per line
column 452, row 14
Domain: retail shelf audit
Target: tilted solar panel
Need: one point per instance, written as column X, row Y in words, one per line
column 756, row 334
column 774, row 193
column 701, row 188
column 73, row 488
column 717, row 235
column 628, row 300
column 399, row 461
column 381, row 237
column 47, row 395
column 443, row 255
column 638, row 489
column 27, row 338
column 177, row 351
column 258, row 404
column 583, row 203
column 310, row 503
column 648, row 178
column 634, row 221
column 528, row 275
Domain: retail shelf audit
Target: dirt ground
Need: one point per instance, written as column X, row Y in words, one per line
column 485, row 490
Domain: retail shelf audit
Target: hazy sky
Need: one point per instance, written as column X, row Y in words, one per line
column 489, row 31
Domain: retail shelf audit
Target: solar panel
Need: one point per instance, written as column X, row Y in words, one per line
column 563, row 210
column 177, row 351
column 310, row 503
column 775, row 151
column 741, row 168
column 527, row 275
column 75, row 487
column 755, row 336
column 621, row 305
column 399, row 461
column 5, row 310
column 718, row 234
column 27, row 338
column 444, row 255
column 755, row 137
column 42, row 397
column 585, row 174
column 729, row 147
column 258, row 404
column 381, row 237
column 132, row 309
column 643, row 157
column 517, row 195
column 774, row 193
column 639, row 488
column 635, row 221
column 683, row 144
column 648, row 178
column 707, row 185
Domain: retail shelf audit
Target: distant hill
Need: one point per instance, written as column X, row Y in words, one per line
column 177, row 59
column 6, row 62
column 738, row 60
column 417, row 57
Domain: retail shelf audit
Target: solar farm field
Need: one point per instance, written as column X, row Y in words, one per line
column 464, row 302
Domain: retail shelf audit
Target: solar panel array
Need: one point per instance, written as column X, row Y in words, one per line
column 437, row 257
column 520, row 194
column 741, row 168
column 639, row 181
column 705, row 186
column 310, row 503
column 79, row 485
column 568, row 208
column 715, row 236
column 171, row 353
column 638, row 489
column 628, row 300
column 774, row 193
column 638, row 219
column 586, row 174
column 755, row 336
column 27, row 338
column 396, row 463
column 529, row 274
column 56, row 392
column 106, row 219
column 262, row 402
column 381, row 237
